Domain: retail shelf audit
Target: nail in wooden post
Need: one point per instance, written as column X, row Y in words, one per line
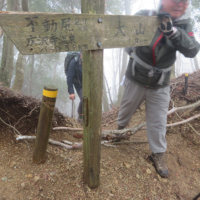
column 186, row 83
column 44, row 123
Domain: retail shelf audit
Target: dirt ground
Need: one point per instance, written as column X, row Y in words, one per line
column 126, row 171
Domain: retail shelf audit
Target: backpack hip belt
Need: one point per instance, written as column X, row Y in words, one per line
column 149, row 67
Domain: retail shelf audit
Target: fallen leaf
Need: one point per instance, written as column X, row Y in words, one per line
column 116, row 181
column 78, row 136
column 29, row 176
column 23, row 185
column 138, row 176
column 36, row 178
column 153, row 192
column 12, row 164
column 127, row 165
column 148, row 171
column 164, row 180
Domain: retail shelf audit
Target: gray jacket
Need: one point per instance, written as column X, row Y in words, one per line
column 161, row 53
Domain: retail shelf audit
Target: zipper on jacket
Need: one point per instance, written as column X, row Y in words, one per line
column 154, row 47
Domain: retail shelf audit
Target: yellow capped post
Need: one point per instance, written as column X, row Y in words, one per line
column 50, row 94
column 44, row 123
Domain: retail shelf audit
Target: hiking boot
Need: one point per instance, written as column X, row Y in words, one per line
column 158, row 160
column 80, row 118
column 120, row 127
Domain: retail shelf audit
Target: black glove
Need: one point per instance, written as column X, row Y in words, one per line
column 166, row 25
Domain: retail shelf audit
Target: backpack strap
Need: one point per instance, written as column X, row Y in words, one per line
column 149, row 67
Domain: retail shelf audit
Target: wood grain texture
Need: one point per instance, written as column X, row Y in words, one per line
column 92, row 93
column 40, row 33
column 44, row 126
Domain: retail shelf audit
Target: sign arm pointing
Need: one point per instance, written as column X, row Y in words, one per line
column 41, row 33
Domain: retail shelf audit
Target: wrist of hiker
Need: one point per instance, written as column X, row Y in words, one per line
column 172, row 32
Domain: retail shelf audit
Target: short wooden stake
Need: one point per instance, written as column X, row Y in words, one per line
column 186, row 83
column 44, row 123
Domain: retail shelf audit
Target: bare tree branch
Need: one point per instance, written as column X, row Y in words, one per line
column 67, row 128
column 11, row 126
column 76, row 146
column 175, row 109
column 132, row 130
column 184, row 121
column 130, row 142
column 189, row 125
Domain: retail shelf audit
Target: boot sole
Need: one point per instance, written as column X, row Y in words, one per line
column 163, row 176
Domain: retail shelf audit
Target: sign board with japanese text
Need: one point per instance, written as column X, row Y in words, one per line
column 40, row 33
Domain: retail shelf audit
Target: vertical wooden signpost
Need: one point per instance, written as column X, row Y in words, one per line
column 92, row 92
column 40, row 33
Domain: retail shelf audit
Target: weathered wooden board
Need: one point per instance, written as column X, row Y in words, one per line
column 39, row 33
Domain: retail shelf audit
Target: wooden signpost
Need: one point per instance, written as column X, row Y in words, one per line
column 40, row 33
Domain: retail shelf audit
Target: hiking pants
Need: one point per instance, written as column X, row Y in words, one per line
column 157, row 103
column 80, row 107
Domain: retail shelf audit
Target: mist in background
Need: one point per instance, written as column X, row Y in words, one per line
column 48, row 69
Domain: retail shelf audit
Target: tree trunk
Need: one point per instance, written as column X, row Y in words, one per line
column 21, row 61
column 111, row 101
column 54, row 70
column 196, row 63
column 192, row 64
column 114, row 87
column 8, row 51
column 124, row 65
column 25, row 7
column 74, row 108
column 92, row 93
column 2, row 4
column 72, row 7
column 19, row 76
column 31, row 74
column 105, row 98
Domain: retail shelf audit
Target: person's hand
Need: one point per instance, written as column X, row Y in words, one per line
column 72, row 96
column 166, row 25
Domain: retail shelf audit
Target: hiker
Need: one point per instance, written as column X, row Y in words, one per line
column 148, row 74
column 73, row 71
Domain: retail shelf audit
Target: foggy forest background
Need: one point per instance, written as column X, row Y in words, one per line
column 29, row 74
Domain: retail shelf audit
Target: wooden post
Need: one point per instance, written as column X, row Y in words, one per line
column 92, row 93
column 44, row 123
